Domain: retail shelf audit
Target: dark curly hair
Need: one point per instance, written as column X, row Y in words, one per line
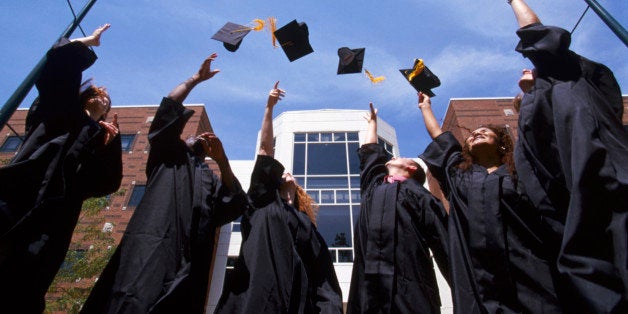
column 505, row 150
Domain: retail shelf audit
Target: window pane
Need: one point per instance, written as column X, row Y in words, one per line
column 136, row 196
column 342, row 196
column 333, row 255
column 299, row 137
column 312, row 137
column 352, row 136
column 345, row 256
column 11, row 144
column 236, row 227
column 314, row 196
column 327, row 197
column 355, row 196
column 334, row 225
column 339, row 137
column 326, row 137
column 355, row 213
column 127, row 141
column 354, row 159
column 355, row 182
column 299, row 159
column 326, row 182
column 327, row 158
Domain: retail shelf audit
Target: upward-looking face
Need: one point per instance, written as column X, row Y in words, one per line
column 97, row 107
column 401, row 167
column 526, row 82
column 288, row 187
column 481, row 137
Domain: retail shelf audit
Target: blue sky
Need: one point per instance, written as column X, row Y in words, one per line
column 155, row 44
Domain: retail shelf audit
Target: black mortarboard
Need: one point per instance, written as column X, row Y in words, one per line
column 421, row 78
column 350, row 60
column 231, row 35
column 293, row 38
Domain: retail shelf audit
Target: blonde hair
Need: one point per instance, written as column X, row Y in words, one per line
column 305, row 204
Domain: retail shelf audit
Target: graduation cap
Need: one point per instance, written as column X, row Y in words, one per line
column 350, row 60
column 421, row 78
column 293, row 38
column 231, row 35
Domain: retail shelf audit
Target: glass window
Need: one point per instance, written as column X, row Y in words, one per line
column 235, row 225
column 299, row 137
column 339, row 137
column 345, row 256
column 314, row 196
column 312, row 137
column 352, row 137
column 11, row 144
column 127, row 141
column 354, row 159
column 326, row 182
column 326, row 137
column 342, row 196
column 334, row 225
column 355, row 196
column 136, row 196
column 355, row 212
column 328, row 158
column 299, row 159
column 327, row 196
column 355, row 182
column 332, row 252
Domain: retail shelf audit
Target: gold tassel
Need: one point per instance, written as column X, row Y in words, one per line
column 258, row 27
column 373, row 79
column 272, row 27
column 418, row 68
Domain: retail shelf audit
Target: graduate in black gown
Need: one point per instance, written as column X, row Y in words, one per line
column 162, row 263
column 284, row 264
column 70, row 154
column 399, row 223
column 499, row 261
column 571, row 157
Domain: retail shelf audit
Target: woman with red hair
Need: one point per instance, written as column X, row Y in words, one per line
column 284, row 264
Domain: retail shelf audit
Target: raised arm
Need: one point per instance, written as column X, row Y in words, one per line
column 524, row 14
column 94, row 38
column 371, row 132
column 182, row 90
column 431, row 124
column 214, row 149
column 266, row 141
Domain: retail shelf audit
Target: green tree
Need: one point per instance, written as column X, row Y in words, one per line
column 89, row 253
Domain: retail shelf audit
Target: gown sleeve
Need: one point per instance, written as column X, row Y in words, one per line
column 372, row 165
column 440, row 156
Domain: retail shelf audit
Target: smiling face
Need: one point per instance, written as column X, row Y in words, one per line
column 481, row 137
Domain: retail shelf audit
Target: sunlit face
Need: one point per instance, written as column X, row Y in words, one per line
column 481, row 136
column 288, row 187
column 97, row 107
column 526, row 82
column 400, row 166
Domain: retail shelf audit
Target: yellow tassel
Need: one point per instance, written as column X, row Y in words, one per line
column 373, row 79
column 259, row 26
column 418, row 68
column 272, row 27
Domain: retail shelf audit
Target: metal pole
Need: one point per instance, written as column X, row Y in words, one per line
column 619, row 30
column 20, row 93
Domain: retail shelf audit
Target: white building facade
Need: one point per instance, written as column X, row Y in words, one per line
column 319, row 147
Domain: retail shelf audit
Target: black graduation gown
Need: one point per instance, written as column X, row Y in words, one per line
column 399, row 223
column 571, row 159
column 284, row 264
column 162, row 263
column 62, row 162
column 499, row 262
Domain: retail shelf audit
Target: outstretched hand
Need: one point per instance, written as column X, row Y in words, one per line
column 424, row 101
column 275, row 95
column 205, row 72
column 213, row 147
column 372, row 115
column 94, row 38
column 111, row 129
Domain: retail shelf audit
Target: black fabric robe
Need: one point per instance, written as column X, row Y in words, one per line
column 284, row 264
column 62, row 162
column 499, row 262
column 399, row 223
column 572, row 160
column 162, row 263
